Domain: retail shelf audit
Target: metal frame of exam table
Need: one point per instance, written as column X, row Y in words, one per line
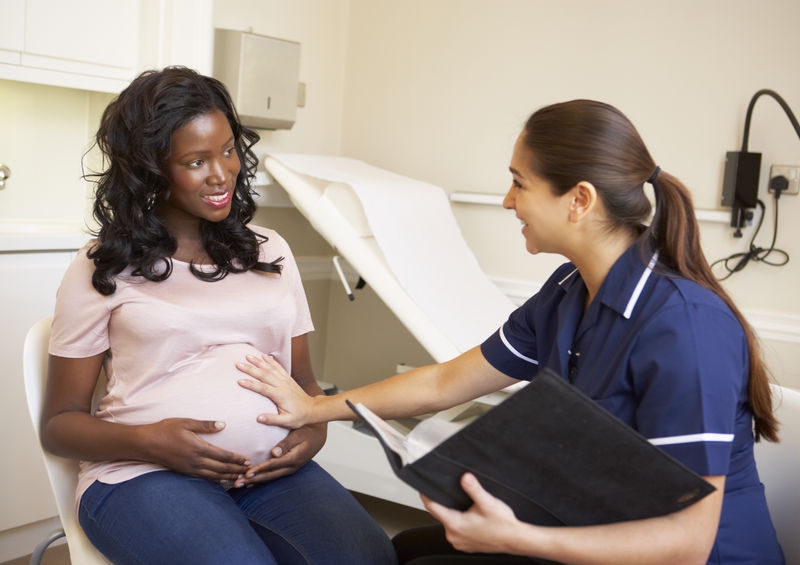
column 352, row 456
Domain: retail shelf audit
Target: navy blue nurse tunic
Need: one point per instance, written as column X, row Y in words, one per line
column 664, row 355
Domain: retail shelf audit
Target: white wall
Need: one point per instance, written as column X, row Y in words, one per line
column 438, row 90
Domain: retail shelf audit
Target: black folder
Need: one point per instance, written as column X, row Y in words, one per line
column 554, row 456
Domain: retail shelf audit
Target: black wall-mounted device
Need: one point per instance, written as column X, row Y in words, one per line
column 740, row 186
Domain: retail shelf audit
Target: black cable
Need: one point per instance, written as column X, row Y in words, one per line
column 780, row 101
column 778, row 185
column 755, row 253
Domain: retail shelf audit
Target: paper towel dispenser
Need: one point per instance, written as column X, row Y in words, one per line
column 262, row 75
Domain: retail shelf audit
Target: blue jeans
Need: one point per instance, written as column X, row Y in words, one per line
column 165, row 517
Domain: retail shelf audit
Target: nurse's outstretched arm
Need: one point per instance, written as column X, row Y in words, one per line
column 489, row 526
column 419, row 391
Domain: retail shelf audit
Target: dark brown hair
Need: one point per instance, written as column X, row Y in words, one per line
column 585, row 140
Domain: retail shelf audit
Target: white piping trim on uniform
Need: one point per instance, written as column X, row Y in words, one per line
column 640, row 285
column 691, row 438
column 514, row 351
column 562, row 281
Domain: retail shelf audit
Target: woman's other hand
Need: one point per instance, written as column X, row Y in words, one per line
column 292, row 395
column 178, row 445
column 270, row 379
column 288, row 456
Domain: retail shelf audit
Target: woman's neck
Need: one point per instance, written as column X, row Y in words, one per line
column 186, row 231
column 595, row 259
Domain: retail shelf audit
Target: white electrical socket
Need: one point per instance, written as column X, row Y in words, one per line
column 792, row 174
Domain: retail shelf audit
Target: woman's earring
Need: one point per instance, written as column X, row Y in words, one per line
column 151, row 201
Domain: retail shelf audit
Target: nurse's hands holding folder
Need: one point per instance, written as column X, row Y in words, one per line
column 486, row 527
column 490, row 526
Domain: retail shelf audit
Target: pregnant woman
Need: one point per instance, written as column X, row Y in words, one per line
column 175, row 288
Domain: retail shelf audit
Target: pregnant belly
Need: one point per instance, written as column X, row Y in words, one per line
column 205, row 388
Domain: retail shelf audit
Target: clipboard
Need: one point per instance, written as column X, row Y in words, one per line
column 552, row 454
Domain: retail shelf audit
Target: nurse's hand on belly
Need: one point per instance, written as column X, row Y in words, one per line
column 180, row 444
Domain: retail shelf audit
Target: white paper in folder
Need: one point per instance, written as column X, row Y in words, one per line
column 414, row 226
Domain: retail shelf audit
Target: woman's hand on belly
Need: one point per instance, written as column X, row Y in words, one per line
column 288, row 455
column 179, row 445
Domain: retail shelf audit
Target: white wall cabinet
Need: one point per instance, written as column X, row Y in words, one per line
column 83, row 37
column 86, row 44
column 13, row 33
column 100, row 45
column 28, row 283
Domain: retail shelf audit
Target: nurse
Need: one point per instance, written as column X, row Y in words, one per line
column 635, row 320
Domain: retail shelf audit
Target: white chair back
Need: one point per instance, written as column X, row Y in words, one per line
column 778, row 465
column 63, row 473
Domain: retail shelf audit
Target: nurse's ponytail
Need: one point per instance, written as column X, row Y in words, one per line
column 676, row 233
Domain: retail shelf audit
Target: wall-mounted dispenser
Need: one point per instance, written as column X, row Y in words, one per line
column 262, row 75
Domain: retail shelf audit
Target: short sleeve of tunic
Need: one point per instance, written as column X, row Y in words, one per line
column 280, row 248
column 80, row 320
column 516, row 347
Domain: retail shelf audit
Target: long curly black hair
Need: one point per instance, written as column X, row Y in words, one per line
column 134, row 138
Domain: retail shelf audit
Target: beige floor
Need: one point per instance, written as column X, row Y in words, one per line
column 55, row 555
column 393, row 518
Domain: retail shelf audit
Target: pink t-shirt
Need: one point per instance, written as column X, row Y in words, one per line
column 173, row 345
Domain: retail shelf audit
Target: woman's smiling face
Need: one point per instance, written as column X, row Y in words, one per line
column 540, row 210
column 202, row 168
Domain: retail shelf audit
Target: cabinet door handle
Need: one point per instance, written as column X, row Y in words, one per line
column 5, row 172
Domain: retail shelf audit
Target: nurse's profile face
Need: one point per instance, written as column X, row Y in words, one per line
column 541, row 212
